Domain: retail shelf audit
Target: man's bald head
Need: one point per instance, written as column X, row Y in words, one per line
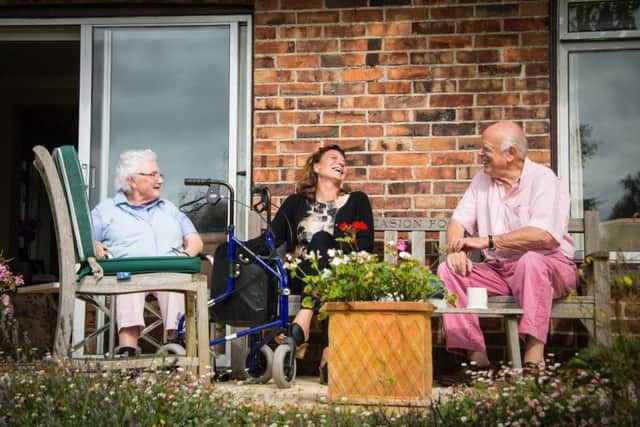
column 510, row 134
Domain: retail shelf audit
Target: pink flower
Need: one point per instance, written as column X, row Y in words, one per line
column 5, row 274
column 401, row 246
column 19, row 280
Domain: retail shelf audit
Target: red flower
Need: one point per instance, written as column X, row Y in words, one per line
column 343, row 226
column 359, row 225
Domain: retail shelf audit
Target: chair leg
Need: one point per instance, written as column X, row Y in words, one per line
column 190, row 325
column 202, row 313
column 64, row 325
column 513, row 341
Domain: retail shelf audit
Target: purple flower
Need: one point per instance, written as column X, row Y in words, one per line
column 401, row 246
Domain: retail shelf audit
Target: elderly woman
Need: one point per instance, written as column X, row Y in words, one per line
column 138, row 222
column 309, row 221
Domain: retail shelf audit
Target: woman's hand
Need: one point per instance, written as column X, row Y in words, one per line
column 101, row 251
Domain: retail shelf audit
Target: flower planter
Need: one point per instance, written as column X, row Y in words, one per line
column 380, row 352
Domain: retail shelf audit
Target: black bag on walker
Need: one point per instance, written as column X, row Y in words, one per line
column 253, row 300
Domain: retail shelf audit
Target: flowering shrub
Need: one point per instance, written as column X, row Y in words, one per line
column 8, row 283
column 361, row 276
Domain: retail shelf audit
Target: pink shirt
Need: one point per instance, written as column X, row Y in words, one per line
column 537, row 199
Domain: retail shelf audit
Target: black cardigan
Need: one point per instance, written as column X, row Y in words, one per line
column 292, row 211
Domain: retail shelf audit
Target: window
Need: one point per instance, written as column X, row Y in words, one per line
column 599, row 105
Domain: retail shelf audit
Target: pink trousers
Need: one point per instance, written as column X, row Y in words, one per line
column 534, row 280
column 130, row 309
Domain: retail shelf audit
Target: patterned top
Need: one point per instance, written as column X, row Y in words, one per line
column 320, row 216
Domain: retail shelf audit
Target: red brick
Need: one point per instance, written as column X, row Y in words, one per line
column 543, row 157
column 468, row 172
column 273, row 104
column 535, row 39
column 479, row 114
column 361, row 74
column 263, row 62
column 274, row 132
column 357, row 45
column 265, row 33
column 321, row 103
column 363, row 131
column 301, row 4
column 472, row 142
column 349, row 145
column 300, row 89
column 390, row 145
column 409, row 73
column 477, row 56
column 433, row 27
column 480, row 85
column 274, row 19
column 433, row 115
column 265, row 90
column 317, row 46
column 371, row 188
column 317, row 132
column 317, row 75
column 266, row 175
column 344, row 60
column 437, row 86
column 431, row 172
column 265, row 118
column 450, row 187
column 526, row 55
column 452, row 12
column 542, row 142
column 405, row 43
column 269, row 76
column 536, row 127
column 384, row 29
column 430, row 202
column 537, row 69
column 526, row 113
column 451, row 129
column 266, row 4
column 318, row 17
column 274, row 47
column 540, row 98
column 406, row 14
column 395, row 58
column 499, row 99
column 365, row 159
column 396, row 87
column 497, row 10
column 434, row 144
column 406, row 159
column 343, row 117
column 339, row 31
column 459, row 158
column 496, row 40
column 534, row 9
column 273, row 161
column 479, row 26
column 388, row 116
column 390, row 202
column 390, row 173
column 527, row 24
column 499, row 70
column 407, row 130
column 343, row 88
column 304, row 147
column 405, row 101
column 526, row 84
column 409, row 188
column 360, row 102
column 299, row 32
column 454, row 71
column 450, row 100
column 361, row 15
column 419, row 58
column 332, row 4
column 450, row 42
column 299, row 117
column 264, row 147
column 298, row 61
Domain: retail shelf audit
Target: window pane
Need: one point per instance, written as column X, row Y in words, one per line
column 604, row 110
column 604, row 16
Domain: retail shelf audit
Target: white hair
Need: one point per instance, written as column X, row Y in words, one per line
column 509, row 139
column 129, row 165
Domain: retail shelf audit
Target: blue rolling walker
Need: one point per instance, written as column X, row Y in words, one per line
column 262, row 363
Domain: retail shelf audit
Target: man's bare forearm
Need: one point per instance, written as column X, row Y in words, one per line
column 526, row 239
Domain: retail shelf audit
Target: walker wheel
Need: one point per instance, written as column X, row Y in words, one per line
column 264, row 362
column 284, row 366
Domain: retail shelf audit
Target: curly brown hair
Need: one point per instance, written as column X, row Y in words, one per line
column 307, row 183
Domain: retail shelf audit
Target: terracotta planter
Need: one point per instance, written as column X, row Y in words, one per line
column 380, row 352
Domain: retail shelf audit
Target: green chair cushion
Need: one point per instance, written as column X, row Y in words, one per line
column 139, row 265
column 68, row 165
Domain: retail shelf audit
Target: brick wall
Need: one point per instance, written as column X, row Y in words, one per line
column 406, row 86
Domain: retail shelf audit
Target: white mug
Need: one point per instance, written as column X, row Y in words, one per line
column 477, row 298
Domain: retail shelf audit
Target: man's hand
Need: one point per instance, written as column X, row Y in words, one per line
column 101, row 251
column 469, row 244
column 460, row 263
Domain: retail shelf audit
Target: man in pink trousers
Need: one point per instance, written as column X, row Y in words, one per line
column 519, row 211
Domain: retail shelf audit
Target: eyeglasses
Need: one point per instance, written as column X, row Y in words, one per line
column 152, row 175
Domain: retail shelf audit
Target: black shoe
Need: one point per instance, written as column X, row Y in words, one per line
column 127, row 352
column 324, row 374
column 297, row 334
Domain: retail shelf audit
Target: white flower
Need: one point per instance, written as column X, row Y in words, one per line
column 331, row 252
column 337, row 261
column 326, row 273
column 405, row 255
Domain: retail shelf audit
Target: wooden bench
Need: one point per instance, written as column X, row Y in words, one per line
column 592, row 304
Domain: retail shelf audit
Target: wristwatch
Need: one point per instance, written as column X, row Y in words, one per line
column 491, row 247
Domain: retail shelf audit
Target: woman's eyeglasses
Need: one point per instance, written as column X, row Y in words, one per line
column 152, row 175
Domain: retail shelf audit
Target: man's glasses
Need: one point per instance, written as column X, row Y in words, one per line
column 152, row 175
